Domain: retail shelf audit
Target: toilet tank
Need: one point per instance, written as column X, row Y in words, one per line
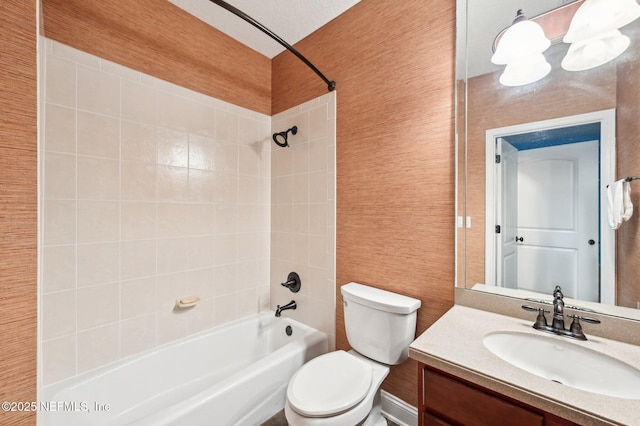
column 380, row 324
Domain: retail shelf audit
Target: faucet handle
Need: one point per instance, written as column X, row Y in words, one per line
column 585, row 319
column 529, row 308
column 576, row 329
column 541, row 320
column 293, row 282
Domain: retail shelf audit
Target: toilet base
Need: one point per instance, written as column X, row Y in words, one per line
column 375, row 417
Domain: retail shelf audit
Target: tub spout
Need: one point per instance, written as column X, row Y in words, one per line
column 290, row 305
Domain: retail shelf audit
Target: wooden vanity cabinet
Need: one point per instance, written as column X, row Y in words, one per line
column 447, row 400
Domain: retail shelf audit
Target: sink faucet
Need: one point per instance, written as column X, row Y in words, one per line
column 557, row 325
column 558, row 309
column 290, row 305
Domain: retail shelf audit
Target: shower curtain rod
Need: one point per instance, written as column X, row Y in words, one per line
column 330, row 84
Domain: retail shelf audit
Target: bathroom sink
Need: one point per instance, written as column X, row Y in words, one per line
column 567, row 363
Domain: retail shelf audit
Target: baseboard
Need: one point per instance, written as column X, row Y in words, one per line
column 398, row 411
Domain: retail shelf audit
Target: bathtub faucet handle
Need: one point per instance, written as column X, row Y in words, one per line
column 290, row 305
column 293, row 282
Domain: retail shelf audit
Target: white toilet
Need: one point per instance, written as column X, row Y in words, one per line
column 343, row 388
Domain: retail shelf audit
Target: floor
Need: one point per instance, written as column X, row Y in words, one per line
column 280, row 420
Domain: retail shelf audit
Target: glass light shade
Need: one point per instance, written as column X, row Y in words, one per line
column 522, row 39
column 525, row 71
column 596, row 17
column 594, row 52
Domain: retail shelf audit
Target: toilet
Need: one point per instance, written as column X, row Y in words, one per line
column 343, row 388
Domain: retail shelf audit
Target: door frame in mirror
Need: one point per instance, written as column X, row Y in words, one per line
column 607, row 119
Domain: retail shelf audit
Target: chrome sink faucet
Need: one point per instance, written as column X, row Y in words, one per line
column 557, row 325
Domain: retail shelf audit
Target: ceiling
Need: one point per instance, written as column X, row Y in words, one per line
column 291, row 20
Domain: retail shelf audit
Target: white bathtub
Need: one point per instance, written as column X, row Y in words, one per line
column 236, row 374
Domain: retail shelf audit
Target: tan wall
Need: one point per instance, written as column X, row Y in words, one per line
column 162, row 40
column 394, row 69
column 18, row 207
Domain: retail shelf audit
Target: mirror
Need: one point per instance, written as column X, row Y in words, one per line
column 558, row 127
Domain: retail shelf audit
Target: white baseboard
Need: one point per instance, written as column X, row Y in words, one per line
column 398, row 411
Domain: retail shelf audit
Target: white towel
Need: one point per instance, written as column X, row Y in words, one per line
column 619, row 203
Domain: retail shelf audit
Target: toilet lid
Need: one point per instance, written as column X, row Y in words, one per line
column 329, row 384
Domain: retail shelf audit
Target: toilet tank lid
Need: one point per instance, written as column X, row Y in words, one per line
column 379, row 299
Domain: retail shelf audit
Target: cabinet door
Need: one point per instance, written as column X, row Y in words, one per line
column 458, row 403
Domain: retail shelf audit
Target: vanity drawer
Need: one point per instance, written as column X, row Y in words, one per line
column 445, row 398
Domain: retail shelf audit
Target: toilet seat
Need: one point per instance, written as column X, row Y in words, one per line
column 329, row 385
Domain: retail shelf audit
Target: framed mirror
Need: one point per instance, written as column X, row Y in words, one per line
column 538, row 152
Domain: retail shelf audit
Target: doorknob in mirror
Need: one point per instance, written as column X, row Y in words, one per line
column 521, row 239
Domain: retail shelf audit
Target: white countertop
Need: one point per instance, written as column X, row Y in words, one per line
column 454, row 344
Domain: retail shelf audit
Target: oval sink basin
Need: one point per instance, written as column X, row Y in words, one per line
column 566, row 363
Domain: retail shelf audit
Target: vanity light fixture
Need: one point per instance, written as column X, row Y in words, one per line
column 525, row 71
column 593, row 33
column 520, row 48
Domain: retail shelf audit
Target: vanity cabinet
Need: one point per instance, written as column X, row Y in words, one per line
column 447, row 400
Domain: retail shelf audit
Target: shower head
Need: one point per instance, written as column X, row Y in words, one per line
column 281, row 138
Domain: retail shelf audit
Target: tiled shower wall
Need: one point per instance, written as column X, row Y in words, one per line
column 303, row 214
column 149, row 192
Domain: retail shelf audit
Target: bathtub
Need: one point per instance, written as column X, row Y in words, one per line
column 235, row 374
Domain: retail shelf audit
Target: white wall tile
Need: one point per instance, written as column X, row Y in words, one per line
column 98, row 263
column 58, row 359
column 58, row 314
column 173, row 111
column 172, row 255
column 74, row 55
column 98, row 178
column 98, row 346
column 98, row 305
column 98, row 221
column 58, row 268
column 98, row 92
column 60, row 129
column 138, row 181
column 137, row 334
column 139, row 103
column 59, row 222
column 60, row 176
column 138, row 142
column 98, row 135
column 138, row 298
column 60, row 83
column 137, row 259
column 137, row 220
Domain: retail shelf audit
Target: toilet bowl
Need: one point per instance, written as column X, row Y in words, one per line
column 343, row 388
column 338, row 389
